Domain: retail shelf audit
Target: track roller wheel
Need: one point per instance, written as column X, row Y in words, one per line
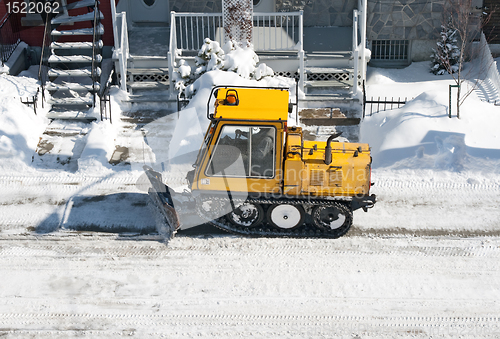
column 335, row 218
column 246, row 215
column 285, row 216
column 211, row 209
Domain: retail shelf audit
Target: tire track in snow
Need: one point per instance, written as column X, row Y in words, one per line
column 93, row 311
column 250, row 324
column 225, row 247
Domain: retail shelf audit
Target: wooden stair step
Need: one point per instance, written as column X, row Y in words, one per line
column 74, row 58
column 65, row 19
column 148, row 85
column 147, row 98
column 76, row 45
column 80, row 4
column 71, row 115
column 80, row 31
column 71, row 101
column 328, row 83
column 318, row 70
column 73, row 72
column 72, row 86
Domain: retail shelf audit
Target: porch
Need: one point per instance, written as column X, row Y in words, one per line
column 325, row 60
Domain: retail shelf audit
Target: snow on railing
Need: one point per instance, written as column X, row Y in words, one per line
column 121, row 43
column 271, row 32
column 487, row 67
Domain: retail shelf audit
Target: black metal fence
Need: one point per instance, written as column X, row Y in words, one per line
column 10, row 35
column 43, row 70
column 382, row 105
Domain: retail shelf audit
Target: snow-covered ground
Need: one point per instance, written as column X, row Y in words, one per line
column 79, row 255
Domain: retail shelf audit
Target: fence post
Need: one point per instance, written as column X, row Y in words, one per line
column 449, row 92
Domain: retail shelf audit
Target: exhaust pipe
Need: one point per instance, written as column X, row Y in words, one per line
column 328, row 148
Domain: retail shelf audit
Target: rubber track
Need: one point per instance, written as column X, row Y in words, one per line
column 304, row 231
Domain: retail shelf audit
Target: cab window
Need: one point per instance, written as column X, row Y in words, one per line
column 244, row 151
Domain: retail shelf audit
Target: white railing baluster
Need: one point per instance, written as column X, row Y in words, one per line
column 186, row 31
column 192, row 33
column 355, row 52
column 202, row 28
column 171, row 53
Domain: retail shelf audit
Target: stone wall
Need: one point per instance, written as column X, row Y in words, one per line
column 404, row 19
column 321, row 12
column 387, row 19
column 198, row 6
column 416, row 20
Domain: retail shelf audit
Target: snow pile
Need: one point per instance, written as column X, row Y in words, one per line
column 20, row 128
column 420, row 135
column 98, row 149
column 6, row 67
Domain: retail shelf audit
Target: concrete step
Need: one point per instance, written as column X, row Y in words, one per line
column 319, row 70
column 81, row 31
column 147, row 62
column 71, row 101
column 328, row 83
column 75, row 45
column 67, row 19
column 330, row 97
column 329, row 60
column 149, row 98
column 72, row 86
column 73, row 58
column 71, row 115
column 326, row 117
column 73, row 72
column 148, row 85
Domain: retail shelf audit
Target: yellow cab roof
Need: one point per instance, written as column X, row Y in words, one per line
column 253, row 104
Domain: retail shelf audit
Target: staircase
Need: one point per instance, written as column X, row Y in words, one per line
column 328, row 77
column 74, row 61
column 147, row 66
column 329, row 63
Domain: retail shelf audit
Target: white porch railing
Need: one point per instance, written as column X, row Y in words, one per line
column 121, row 52
column 275, row 32
column 359, row 50
column 485, row 67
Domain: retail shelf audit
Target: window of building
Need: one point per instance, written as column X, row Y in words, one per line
column 391, row 50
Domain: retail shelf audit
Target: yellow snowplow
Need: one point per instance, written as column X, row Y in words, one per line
column 254, row 175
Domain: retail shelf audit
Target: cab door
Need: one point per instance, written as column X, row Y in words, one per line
column 244, row 158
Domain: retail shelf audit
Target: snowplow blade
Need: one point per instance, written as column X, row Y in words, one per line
column 167, row 220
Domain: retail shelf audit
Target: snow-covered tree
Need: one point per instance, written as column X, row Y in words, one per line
column 445, row 58
column 463, row 24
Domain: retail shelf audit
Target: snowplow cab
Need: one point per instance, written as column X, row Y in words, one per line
column 244, row 143
column 249, row 149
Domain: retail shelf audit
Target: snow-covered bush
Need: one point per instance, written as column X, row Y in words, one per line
column 230, row 57
column 210, row 57
column 445, row 58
